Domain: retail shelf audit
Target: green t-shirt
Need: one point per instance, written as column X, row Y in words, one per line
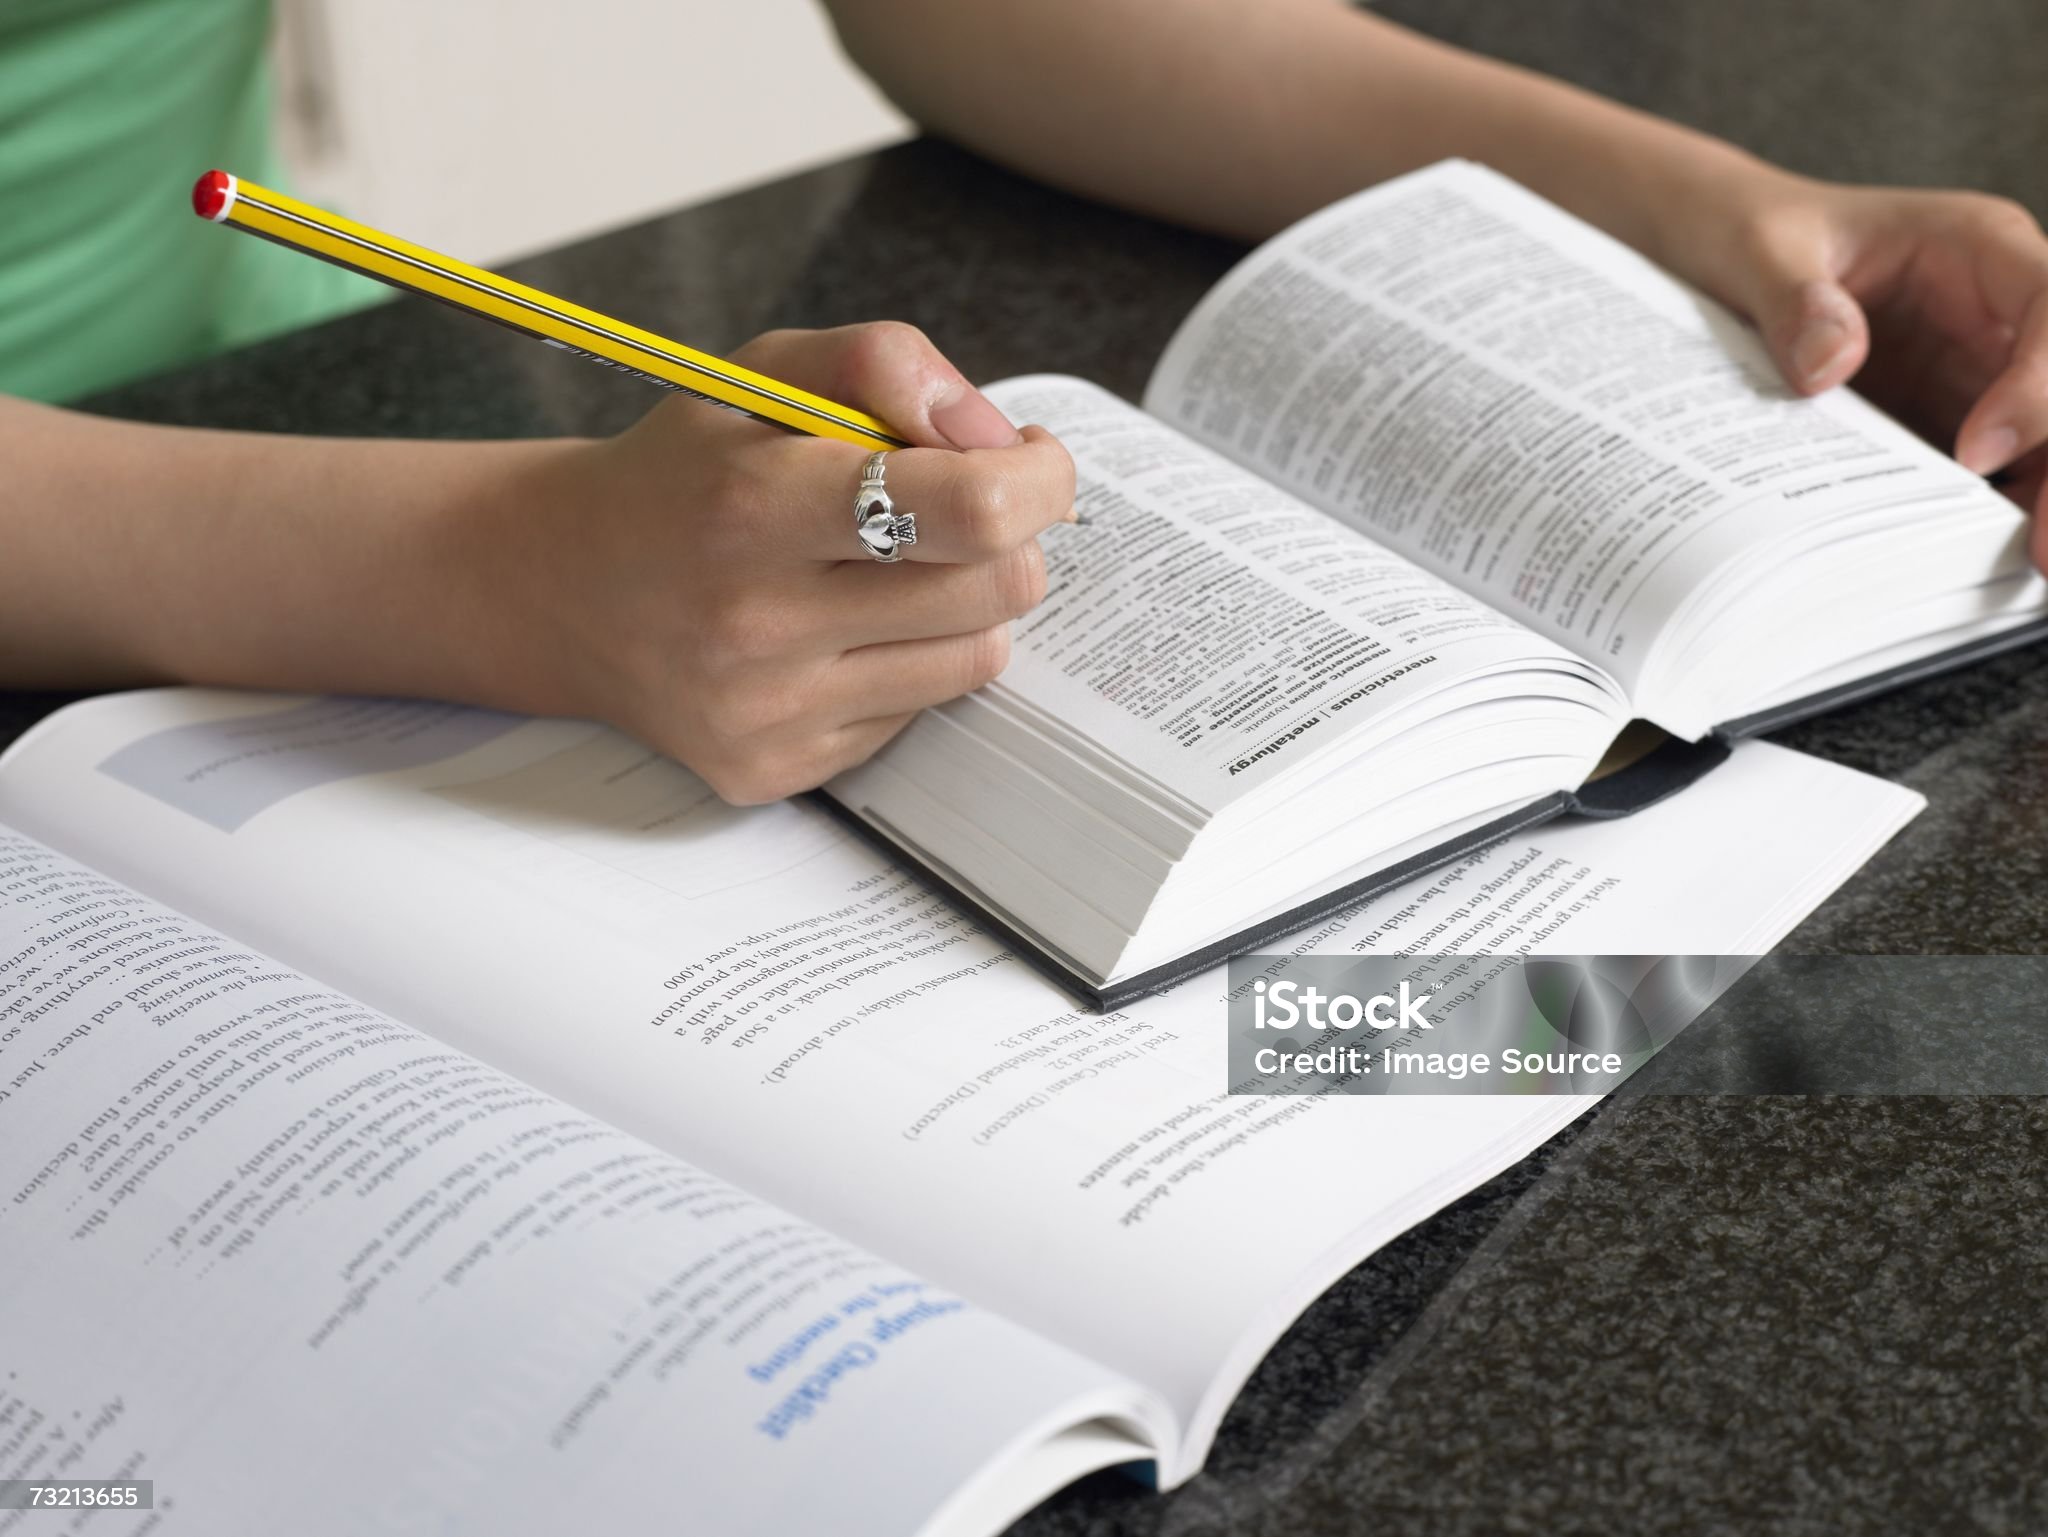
column 109, row 110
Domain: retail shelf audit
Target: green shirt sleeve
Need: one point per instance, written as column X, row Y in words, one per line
column 109, row 110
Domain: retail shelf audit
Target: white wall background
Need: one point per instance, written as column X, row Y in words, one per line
column 489, row 128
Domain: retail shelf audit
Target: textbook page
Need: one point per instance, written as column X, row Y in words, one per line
column 1533, row 411
column 762, row 994
column 309, row 1271
column 1208, row 628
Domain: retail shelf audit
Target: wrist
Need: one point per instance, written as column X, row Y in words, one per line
column 493, row 585
column 379, row 572
column 1704, row 202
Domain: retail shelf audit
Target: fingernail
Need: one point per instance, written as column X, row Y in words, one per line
column 1992, row 450
column 1073, row 514
column 1818, row 349
column 966, row 418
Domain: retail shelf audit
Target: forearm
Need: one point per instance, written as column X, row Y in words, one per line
column 133, row 554
column 1243, row 117
column 692, row 580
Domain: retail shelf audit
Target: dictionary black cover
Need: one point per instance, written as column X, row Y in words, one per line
column 1793, row 711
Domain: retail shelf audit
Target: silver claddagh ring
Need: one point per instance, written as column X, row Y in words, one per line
column 883, row 530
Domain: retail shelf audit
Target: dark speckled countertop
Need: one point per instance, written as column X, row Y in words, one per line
column 1695, row 1311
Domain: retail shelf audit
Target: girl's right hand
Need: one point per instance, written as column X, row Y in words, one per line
column 697, row 580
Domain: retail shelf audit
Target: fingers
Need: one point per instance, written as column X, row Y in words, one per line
column 1979, row 292
column 889, row 370
column 978, row 506
column 1816, row 331
column 2011, row 255
column 1779, row 266
column 2011, row 417
column 860, row 740
column 908, row 675
column 865, row 604
column 742, row 625
column 968, row 507
column 758, row 776
column 777, row 744
column 2007, row 254
column 2025, row 483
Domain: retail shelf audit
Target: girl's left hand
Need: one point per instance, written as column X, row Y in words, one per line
column 1934, row 303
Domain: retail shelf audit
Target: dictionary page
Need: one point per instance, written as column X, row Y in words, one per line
column 1541, row 416
column 1197, row 615
column 309, row 1271
column 761, row 994
column 1227, row 701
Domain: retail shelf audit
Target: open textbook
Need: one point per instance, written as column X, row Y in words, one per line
column 417, row 1119
column 1429, row 498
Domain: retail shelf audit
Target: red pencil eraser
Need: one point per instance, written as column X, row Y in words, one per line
column 213, row 195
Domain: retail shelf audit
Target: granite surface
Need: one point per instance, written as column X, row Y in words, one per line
column 1696, row 1311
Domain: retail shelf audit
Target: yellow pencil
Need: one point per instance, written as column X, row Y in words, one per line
column 243, row 205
